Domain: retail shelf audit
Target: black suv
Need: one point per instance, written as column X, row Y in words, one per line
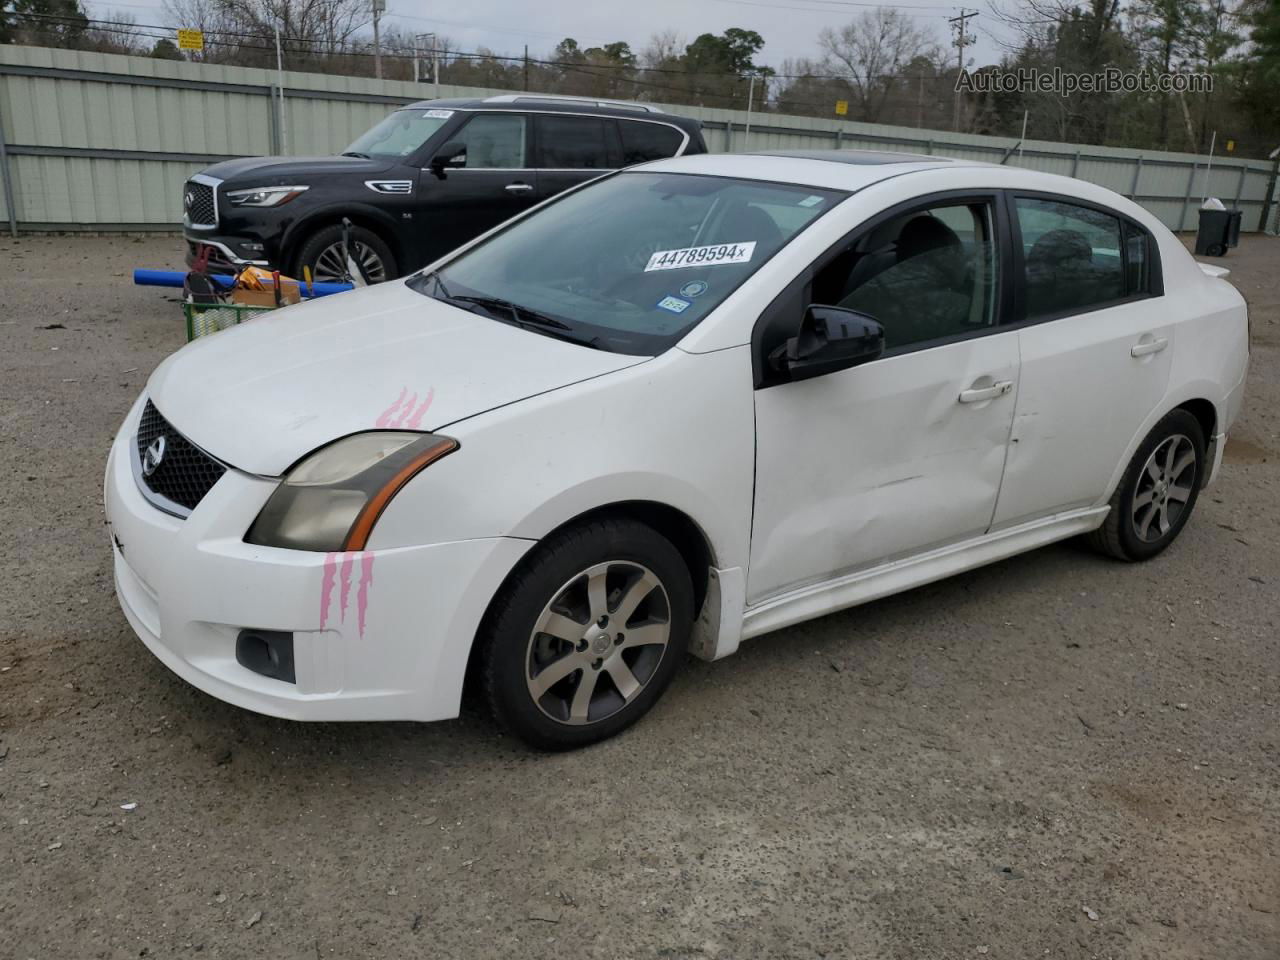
column 425, row 180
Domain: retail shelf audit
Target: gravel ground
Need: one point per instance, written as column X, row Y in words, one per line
column 1054, row 756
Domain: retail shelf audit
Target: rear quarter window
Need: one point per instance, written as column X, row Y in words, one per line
column 648, row 141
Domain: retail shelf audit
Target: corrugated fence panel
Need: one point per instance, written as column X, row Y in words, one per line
column 81, row 128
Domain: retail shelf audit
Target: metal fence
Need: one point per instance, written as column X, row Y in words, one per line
column 103, row 142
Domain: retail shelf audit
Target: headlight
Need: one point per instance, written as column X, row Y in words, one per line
column 331, row 500
column 263, row 196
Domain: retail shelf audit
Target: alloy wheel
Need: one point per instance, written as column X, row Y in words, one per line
column 331, row 265
column 1164, row 488
column 598, row 643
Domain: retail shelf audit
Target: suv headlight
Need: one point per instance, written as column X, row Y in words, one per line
column 330, row 500
column 263, row 196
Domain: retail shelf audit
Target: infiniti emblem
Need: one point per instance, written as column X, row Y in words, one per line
column 153, row 457
column 189, row 198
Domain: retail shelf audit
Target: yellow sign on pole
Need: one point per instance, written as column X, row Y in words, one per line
column 1231, row 146
column 189, row 39
column 842, row 107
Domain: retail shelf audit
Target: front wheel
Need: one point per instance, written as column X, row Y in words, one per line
column 1155, row 497
column 324, row 253
column 586, row 634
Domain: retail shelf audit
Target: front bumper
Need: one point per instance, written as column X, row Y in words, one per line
column 229, row 254
column 378, row 635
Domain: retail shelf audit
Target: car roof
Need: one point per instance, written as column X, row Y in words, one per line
column 548, row 103
column 832, row 169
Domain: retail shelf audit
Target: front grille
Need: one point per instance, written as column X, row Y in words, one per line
column 199, row 205
column 185, row 472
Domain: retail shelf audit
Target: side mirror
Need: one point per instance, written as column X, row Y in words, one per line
column 452, row 154
column 830, row 339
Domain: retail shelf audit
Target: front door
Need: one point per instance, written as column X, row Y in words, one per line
column 1096, row 356
column 495, row 183
column 906, row 452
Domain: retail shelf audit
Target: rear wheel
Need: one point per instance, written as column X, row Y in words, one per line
column 1155, row 497
column 587, row 634
column 323, row 253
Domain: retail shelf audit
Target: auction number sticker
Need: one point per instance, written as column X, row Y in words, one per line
column 715, row 255
column 438, row 114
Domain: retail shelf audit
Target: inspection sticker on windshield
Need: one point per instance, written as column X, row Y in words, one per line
column 673, row 304
column 715, row 255
column 438, row 114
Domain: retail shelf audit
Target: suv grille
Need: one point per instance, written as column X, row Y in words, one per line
column 185, row 472
column 199, row 205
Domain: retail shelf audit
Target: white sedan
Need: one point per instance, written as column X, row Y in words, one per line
column 684, row 405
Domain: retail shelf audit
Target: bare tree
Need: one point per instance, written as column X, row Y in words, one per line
column 869, row 53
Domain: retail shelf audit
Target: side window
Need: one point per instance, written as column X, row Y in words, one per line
column 647, row 141
column 495, row 141
column 926, row 274
column 1136, row 265
column 1073, row 257
column 572, row 143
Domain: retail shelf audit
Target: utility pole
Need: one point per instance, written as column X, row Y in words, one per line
column 746, row 134
column 526, row 68
column 378, row 7
column 963, row 39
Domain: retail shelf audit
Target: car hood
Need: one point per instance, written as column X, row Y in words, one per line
column 285, row 171
column 264, row 394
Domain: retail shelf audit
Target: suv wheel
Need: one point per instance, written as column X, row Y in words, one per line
column 323, row 253
column 587, row 634
column 1155, row 497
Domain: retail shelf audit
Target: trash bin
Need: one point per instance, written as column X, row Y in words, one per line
column 1219, row 231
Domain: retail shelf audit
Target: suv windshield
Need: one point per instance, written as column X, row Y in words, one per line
column 631, row 263
column 399, row 134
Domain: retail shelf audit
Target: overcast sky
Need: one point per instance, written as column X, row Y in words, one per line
column 789, row 27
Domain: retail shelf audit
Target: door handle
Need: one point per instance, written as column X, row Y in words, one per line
column 978, row 394
column 1145, row 347
column 518, row 188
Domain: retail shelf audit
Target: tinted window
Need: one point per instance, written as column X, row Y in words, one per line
column 1073, row 257
column 1136, row 265
column 647, row 141
column 573, row 143
column 495, row 141
column 927, row 274
column 633, row 261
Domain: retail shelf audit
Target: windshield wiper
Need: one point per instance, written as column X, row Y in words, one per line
column 518, row 314
column 356, row 153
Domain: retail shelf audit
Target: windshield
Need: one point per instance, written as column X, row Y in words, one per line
column 399, row 134
column 631, row 263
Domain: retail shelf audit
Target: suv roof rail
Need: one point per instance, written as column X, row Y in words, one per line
column 562, row 98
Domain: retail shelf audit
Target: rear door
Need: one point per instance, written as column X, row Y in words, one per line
column 572, row 149
column 496, row 182
column 1096, row 352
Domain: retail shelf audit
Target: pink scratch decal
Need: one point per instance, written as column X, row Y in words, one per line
column 340, row 570
column 406, row 411
column 415, row 419
column 384, row 418
column 346, row 586
column 362, row 593
column 326, row 586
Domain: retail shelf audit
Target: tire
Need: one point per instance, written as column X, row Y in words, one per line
column 1146, row 512
column 368, row 248
column 533, row 678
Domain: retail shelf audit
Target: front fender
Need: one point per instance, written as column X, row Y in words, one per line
column 329, row 213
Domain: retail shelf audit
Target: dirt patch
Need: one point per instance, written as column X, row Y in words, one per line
column 1245, row 451
column 965, row 766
